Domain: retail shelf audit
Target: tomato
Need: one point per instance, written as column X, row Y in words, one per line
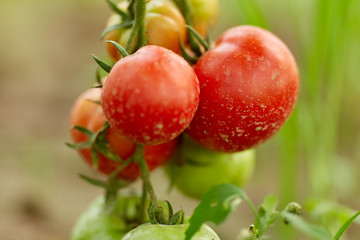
column 164, row 26
column 168, row 232
column 204, row 168
column 94, row 223
column 205, row 14
column 249, row 84
column 87, row 113
column 151, row 96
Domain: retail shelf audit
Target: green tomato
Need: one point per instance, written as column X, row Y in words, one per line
column 168, row 232
column 95, row 223
column 204, row 168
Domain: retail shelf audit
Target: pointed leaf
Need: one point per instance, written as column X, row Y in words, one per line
column 121, row 49
column 310, row 230
column 126, row 24
column 107, row 68
column 93, row 181
column 198, row 37
column 215, row 206
column 185, row 55
column 78, row 146
column 84, row 130
column 117, row 10
column 346, row 225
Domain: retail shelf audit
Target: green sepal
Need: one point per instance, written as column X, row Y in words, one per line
column 116, row 10
column 93, row 181
column 151, row 213
column 185, row 55
column 177, row 218
column 84, row 130
column 126, row 24
column 121, row 49
column 198, row 37
column 97, row 86
column 159, row 215
column 107, row 68
column 78, row 146
column 170, row 208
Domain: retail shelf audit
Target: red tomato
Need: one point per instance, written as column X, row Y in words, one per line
column 89, row 114
column 150, row 97
column 249, row 85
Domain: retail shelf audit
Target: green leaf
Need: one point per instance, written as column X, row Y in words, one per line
column 115, row 27
column 198, row 37
column 93, row 181
column 78, row 146
column 345, row 226
column 310, row 230
column 266, row 215
column 121, row 49
column 117, row 10
column 185, row 55
column 85, row 131
column 215, row 206
column 107, row 68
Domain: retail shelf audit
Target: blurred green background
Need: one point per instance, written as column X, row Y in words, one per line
column 45, row 64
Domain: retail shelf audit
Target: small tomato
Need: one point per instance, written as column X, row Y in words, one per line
column 86, row 112
column 151, row 96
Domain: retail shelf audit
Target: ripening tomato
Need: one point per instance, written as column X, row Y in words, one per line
column 169, row 232
column 151, row 96
column 87, row 113
column 164, row 24
column 205, row 13
column 249, row 85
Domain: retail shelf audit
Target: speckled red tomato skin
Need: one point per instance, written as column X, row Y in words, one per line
column 150, row 97
column 249, row 85
column 89, row 114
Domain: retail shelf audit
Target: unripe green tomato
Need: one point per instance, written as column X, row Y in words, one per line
column 205, row 168
column 168, row 232
column 205, row 14
column 95, row 223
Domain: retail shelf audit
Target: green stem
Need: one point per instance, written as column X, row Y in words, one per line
column 138, row 36
column 144, row 172
column 143, row 204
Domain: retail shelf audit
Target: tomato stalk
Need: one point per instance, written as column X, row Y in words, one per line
column 137, row 37
column 144, row 171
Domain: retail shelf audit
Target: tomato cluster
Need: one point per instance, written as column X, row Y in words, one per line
column 212, row 114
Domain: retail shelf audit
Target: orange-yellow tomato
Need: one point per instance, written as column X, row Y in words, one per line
column 164, row 26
